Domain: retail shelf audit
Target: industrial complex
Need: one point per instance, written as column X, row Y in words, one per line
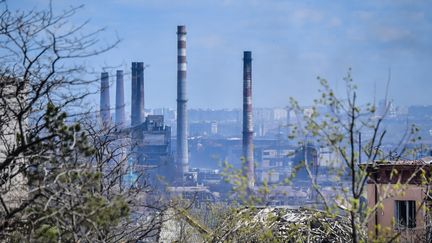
column 185, row 149
column 151, row 138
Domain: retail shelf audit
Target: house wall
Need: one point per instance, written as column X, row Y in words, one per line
column 389, row 193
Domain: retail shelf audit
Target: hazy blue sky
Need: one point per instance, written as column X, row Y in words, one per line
column 292, row 42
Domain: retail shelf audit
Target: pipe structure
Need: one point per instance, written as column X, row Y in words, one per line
column 137, row 109
column 248, row 152
column 182, row 122
column 105, row 100
column 120, row 116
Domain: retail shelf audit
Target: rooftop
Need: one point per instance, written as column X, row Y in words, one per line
column 422, row 162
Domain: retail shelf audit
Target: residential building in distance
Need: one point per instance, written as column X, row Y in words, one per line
column 402, row 190
column 275, row 163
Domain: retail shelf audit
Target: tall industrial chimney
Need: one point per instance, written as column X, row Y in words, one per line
column 120, row 116
column 182, row 122
column 137, row 109
column 105, row 100
column 247, row 120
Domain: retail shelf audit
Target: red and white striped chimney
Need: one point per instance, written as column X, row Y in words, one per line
column 248, row 151
column 182, row 122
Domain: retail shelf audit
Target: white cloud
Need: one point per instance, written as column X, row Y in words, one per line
column 356, row 34
column 364, row 15
column 306, row 15
column 210, row 41
column 379, row 33
column 390, row 33
column 334, row 22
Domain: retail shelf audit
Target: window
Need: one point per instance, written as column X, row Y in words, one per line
column 405, row 214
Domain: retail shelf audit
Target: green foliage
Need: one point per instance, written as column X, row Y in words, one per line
column 340, row 128
column 47, row 233
column 68, row 204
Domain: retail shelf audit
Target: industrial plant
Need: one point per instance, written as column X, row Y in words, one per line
column 252, row 121
column 269, row 152
column 151, row 139
column 189, row 161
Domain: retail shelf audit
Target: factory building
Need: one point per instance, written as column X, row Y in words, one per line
column 150, row 151
column 275, row 163
column 156, row 142
column 155, row 150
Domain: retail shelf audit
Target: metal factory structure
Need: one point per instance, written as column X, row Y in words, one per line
column 156, row 144
column 105, row 114
column 137, row 109
column 120, row 116
column 182, row 122
column 248, row 153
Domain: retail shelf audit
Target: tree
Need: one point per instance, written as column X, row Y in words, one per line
column 48, row 188
column 356, row 133
column 65, row 203
column 121, row 180
column 62, row 180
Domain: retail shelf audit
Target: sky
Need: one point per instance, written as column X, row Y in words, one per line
column 292, row 42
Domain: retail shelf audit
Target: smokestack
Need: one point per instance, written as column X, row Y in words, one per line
column 182, row 123
column 120, row 116
column 247, row 119
column 137, row 109
column 105, row 100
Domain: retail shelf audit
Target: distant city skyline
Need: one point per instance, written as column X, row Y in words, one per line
column 292, row 42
